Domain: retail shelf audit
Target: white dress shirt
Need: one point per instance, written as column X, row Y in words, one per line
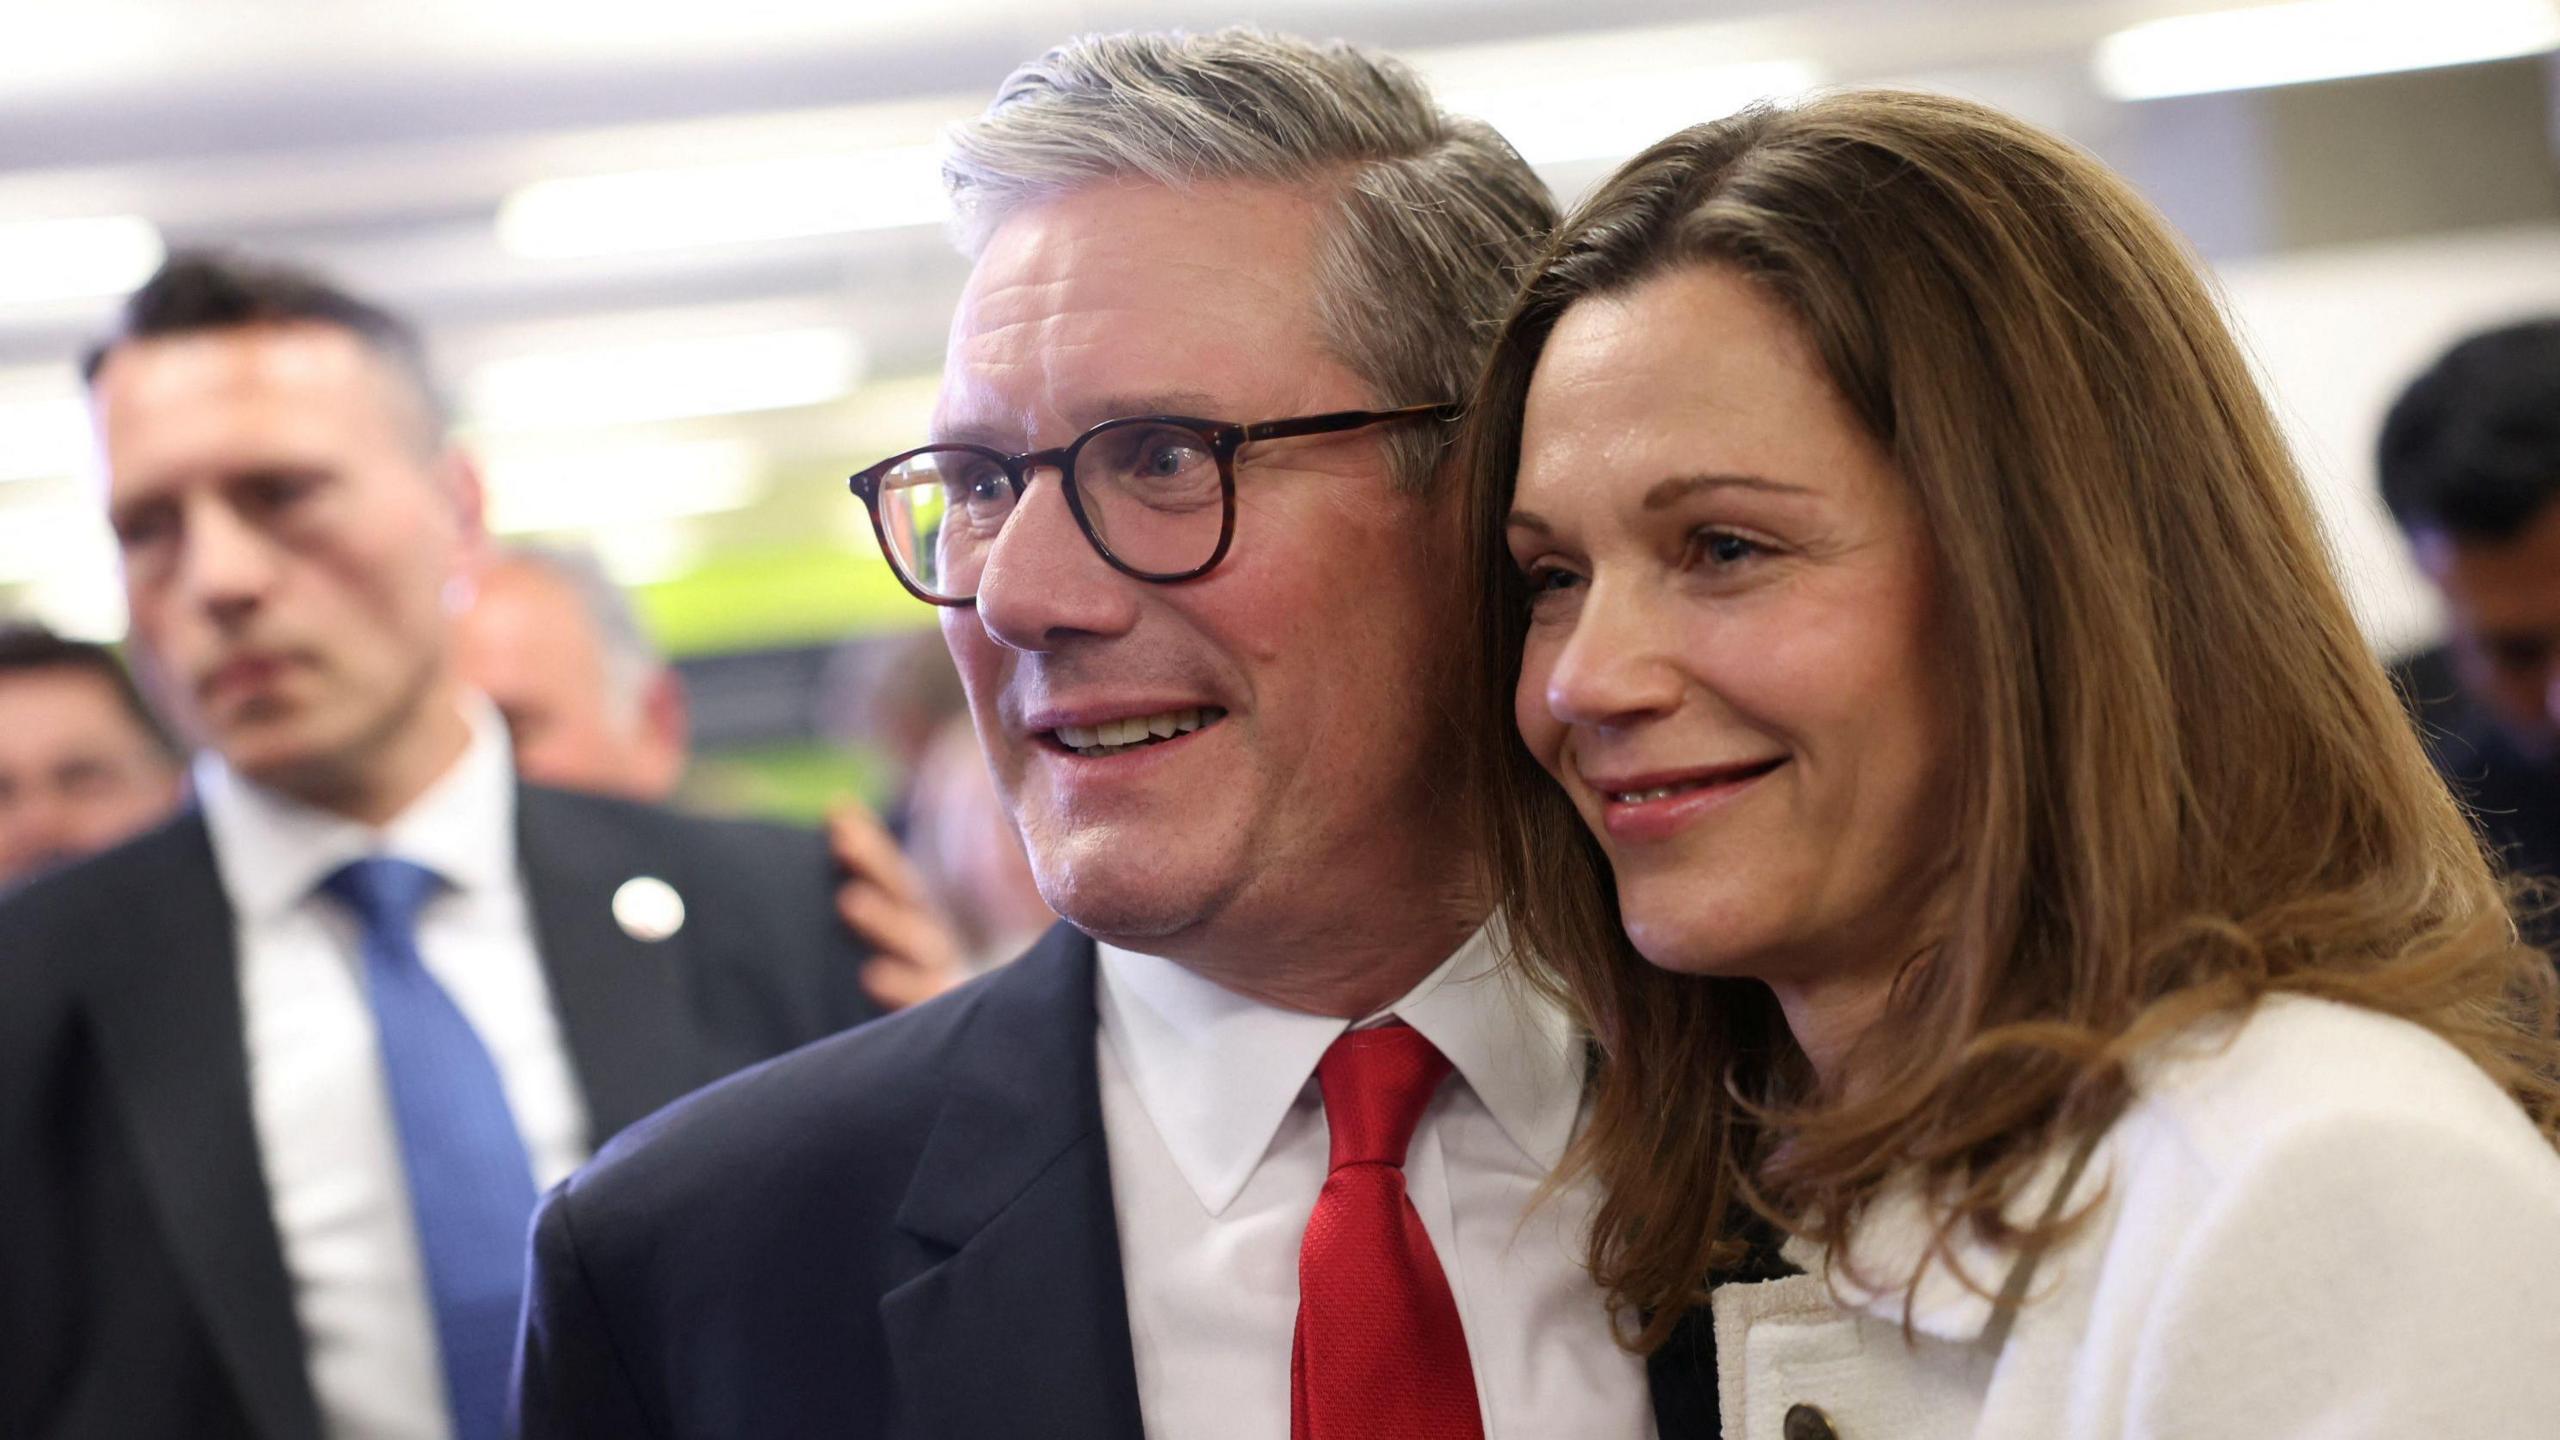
column 2324, row 1223
column 325, row 1133
column 1218, row 1147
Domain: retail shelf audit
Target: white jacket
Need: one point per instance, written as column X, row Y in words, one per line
column 2323, row 1222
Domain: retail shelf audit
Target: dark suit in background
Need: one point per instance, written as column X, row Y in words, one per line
column 143, row 1290
column 904, row 1232
column 2514, row 800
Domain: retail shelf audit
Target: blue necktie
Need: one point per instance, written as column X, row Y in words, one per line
column 470, row 1183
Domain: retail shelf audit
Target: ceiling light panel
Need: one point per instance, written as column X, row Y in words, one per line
column 46, row 261
column 777, row 198
column 2290, row 44
column 663, row 380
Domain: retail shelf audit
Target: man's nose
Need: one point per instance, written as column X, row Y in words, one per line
column 1044, row 584
column 1612, row 670
column 226, row 564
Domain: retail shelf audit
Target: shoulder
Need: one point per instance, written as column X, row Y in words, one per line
column 719, row 841
column 2322, row 1210
column 2317, row 1077
column 760, row 884
column 110, row 880
column 845, row 1118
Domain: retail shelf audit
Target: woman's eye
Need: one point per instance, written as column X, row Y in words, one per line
column 1545, row 581
column 1723, row 548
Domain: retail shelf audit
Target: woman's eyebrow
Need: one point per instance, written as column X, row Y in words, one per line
column 1680, row 487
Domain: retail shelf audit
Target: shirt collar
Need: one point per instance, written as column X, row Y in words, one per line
column 272, row 851
column 1217, row 1072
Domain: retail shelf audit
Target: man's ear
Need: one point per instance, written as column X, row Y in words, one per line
column 458, row 475
column 668, row 715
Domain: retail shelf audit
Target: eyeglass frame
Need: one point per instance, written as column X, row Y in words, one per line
column 1224, row 437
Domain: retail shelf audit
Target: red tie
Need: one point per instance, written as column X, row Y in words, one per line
column 1380, row 1354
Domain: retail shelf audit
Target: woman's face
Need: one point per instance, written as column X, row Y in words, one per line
column 1730, row 663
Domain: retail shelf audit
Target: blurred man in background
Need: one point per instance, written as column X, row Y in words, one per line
column 83, row 762
column 589, row 702
column 281, row 1079
column 2470, row 463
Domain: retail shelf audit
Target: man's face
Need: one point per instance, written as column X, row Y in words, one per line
column 529, row 644
column 77, row 773
column 288, row 534
column 2502, row 603
column 1315, row 649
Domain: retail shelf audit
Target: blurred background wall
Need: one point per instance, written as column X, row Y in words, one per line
column 683, row 267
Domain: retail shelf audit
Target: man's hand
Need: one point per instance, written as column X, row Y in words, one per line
column 914, row 953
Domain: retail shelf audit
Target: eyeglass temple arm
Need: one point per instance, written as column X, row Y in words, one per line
column 1446, row 413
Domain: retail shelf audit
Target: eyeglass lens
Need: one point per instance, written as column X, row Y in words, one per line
column 1151, row 492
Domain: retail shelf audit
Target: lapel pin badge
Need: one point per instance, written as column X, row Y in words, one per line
column 648, row 908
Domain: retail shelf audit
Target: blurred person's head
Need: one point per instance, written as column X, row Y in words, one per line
column 1912, row 681
column 293, row 525
column 589, row 703
column 964, row 845
column 83, row 762
column 1239, row 228
column 2470, row 463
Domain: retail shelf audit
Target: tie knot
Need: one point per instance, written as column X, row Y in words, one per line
column 1375, row 1083
column 385, row 893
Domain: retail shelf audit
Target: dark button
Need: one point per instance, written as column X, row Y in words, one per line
column 1804, row 1422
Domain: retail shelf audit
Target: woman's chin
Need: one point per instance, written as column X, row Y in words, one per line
column 1684, row 945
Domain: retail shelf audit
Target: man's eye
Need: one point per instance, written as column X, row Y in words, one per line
column 1171, row 458
column 277, row 492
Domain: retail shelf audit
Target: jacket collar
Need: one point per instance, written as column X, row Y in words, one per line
column 167, row 1010
column 1965, row 1291
column 1019, row 1325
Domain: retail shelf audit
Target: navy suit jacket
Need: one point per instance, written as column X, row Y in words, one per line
column 905, row 1231
column 143, row 1290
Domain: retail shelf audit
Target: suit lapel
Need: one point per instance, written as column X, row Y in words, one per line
column 1021, row 1327
column 622, row 1001
column 168, row 1016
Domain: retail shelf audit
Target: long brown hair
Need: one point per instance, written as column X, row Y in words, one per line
column 2183, row 781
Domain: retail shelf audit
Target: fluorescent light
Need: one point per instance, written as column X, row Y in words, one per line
column 664, row 380
column 771, row 199
column 54, row 536
column 602, row 486
column 44, row 424
column 2316, row 40
column 42, row 261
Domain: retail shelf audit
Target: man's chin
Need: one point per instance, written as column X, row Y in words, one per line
column 1129, row 905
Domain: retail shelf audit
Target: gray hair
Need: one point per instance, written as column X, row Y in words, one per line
column 631, row 660
column 1438, row 215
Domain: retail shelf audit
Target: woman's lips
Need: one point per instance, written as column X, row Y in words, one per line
column 1639, row 809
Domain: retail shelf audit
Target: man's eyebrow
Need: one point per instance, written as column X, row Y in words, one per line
column 1670, row 492
column 1007, row 434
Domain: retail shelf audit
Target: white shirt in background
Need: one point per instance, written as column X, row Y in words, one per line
column 325, row 1133
column 1218, row 1148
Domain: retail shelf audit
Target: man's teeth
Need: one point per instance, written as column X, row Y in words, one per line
column 1115, row 735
